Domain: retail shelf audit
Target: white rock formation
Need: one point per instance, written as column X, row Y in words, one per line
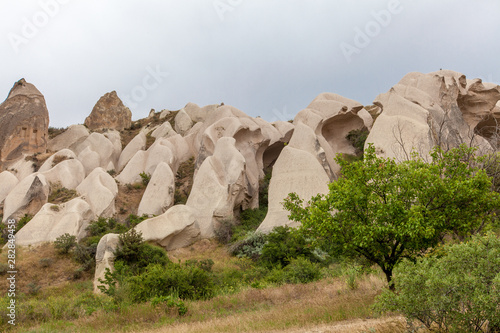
column 8, row 181
column 27, row 197
column 99, row 189
column 52, row 221
column 74, row 135
column 159, row 194
column 69, row 173
column 176, row 228
column 136, row 144
column 63, row 154
column 105, row 257
column 182, row 122
column 219, row 186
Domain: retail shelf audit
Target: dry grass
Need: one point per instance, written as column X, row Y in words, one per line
column 127, row 200
column 40, row 266
column 59, row 194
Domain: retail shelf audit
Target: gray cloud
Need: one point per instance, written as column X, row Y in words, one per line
column 258, row 55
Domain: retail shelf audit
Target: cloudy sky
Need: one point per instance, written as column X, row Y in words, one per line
column 269, row 58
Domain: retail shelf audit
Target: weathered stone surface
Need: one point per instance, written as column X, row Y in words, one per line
column 105, row 257
column 24, row 120
column 63, row 154
column 424, row 110
column 136, row 144
column 74, row 135
column 172, row 230
column 27, row 197
column 219, row 186
column 295, row 171
column 69, row 173
column 96, row 151
column 114, row 137
column 8, row 181
column 164, row 113
column 109, row 112
column 53, row 221
column 182, row 122
column 159, row 194
column 99, row 189
column 163, row 131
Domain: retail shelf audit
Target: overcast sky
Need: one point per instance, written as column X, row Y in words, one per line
column 269, row 58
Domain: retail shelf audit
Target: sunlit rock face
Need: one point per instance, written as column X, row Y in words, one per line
column 24, row 123
column 109, row 112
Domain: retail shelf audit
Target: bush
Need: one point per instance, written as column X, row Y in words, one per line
column 65, row 243
column 85, row 255
column 299, row 270
column 23, row 221
column 224, row 231
column 457, row 292
column 284, row 244
column 188, row 282
column 249, row 247
column 146, row 177
column 137, row 254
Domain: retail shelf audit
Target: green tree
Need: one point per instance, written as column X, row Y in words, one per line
column 456, row 292
column 386, row 211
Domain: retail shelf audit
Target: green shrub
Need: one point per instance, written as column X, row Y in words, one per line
column 188, row 282
column 64, row 243
column 137, row 254
column 171, row 302
column 456, row 292
column 249, row 247
column 204, row 264
column 284, row 244
column 45, row 262
column 224, row 231
column 146, row 177
column 23, row 221
column 250, row 220
column 301, row 270
column 85, row 255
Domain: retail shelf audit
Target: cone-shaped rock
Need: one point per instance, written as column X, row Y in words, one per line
column 109, row 112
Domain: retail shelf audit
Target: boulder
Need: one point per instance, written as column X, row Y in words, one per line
column 164, row 113
column 69, row 173
column 52, row 161
column 24, row 120
column 109, row 112
column 96, row 151
column 105, row 257
column 99, row 189
column 219, row 186
column 27, row 197
column 114, row 137
column 174, row 229
column 74, row 135
column 136, row 144
column 163, row 131
column 53, row 221
column 182, row 122
column 8, row 181
column 159, row 194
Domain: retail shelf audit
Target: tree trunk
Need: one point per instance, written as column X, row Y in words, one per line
column 388, row 276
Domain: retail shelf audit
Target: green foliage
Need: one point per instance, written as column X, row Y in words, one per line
column 250, row 220
column 23, row 221
column 45, row 262
column 284, row 244
column 387, row 211
column 299, row 270
column 146, row 177
column 189, row 282
column 85, row 255
column 250, row 246
column 171, row 302
column 132, row 220
column 60, row 194
column 357, row 138
column 103, row 226
column 204, row 264
column 65, row 243
column 137, row 254
column 224, row 231
column 457, row 292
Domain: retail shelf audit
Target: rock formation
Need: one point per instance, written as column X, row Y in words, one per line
column 109, row 112
column 24, row 123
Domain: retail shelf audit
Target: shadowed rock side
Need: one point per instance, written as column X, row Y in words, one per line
column 24, row 123
column 438, row 108
column 109, row 112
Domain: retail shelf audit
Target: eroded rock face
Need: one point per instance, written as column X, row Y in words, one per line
column 109, row 112
column 73, row 136
column 176, row 228
column 27, row 197
column 424, row 110
column 105, row 257
column 159, row 194
column 219, row 186
column 8, row 181
column 99, row 189
column 24, row 120
column 53, row 221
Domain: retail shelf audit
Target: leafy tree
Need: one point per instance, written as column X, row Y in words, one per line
column 457, row 292
column 385, row 211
